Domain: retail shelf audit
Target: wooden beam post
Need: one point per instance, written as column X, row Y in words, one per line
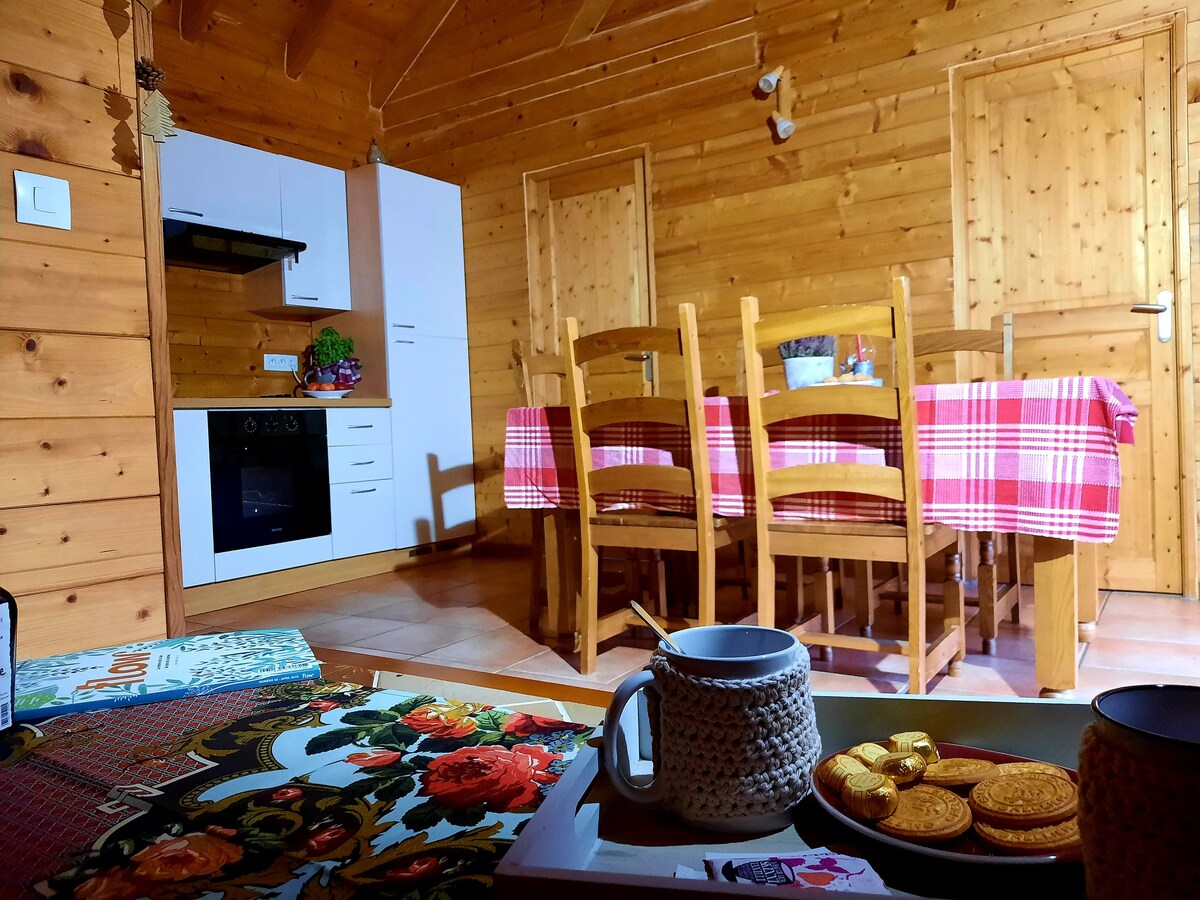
column 302, row 43
column 194, row 15
column 406, row 47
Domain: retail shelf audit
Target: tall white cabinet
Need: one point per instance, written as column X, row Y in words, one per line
column 407, row 261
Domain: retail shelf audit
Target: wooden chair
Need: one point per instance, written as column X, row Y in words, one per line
column 909, row 542
column 996, row 598
column 699, row 533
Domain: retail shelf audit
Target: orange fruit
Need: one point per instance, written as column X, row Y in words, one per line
column 312, row 386
column 326, row 387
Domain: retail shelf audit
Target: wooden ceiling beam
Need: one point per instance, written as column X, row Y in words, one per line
column 302, row 43
column 412, row 40
column 591, row 13
column 194, row 15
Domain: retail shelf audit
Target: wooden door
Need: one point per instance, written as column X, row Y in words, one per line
column 589, row 257
column 1066, row 192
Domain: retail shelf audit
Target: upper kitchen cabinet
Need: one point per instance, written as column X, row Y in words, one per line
column 221, row 184
column 313, row 200
column 414, row 224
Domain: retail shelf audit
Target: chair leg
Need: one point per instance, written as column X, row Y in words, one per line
column 918, row 664
column 657, row 586
column 1014, row 576
column 901, row 586
column 539, row 599
column 589, row 598
column 953, row 608
column 706, row 578
column 824, row 597
column 766, row 585
column 744, row 565
column 864, row 596
column 988, row 591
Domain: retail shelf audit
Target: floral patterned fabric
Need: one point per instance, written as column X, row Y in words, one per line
column 321, row 790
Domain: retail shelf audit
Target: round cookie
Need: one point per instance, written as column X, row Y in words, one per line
column 1011, row 768
column 959, row 772
column 927, row 815
column 1024, row 800
column 1061, row 838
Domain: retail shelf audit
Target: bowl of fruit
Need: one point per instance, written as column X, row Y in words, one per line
column 333, row 369
column 331, row 391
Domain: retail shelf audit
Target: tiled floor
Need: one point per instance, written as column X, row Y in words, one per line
column 466, row 620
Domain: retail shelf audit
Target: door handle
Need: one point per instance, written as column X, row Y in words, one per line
column 1163, row 310
column 367, row 491
column 398, row 325
column 186, row 212
column 309, row 299
column 349, row 427
column 398, row 341
column 369, row 462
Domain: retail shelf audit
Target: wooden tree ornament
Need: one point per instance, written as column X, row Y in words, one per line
column 157, row 123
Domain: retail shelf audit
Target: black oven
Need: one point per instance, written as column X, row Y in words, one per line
column 270, row 476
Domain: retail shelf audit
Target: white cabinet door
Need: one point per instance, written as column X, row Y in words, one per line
column 313, row 203
column 363, row 516
column 424, row 285
column 221, row 184
column 195, row 496
column 429, row 382
column 352, row 425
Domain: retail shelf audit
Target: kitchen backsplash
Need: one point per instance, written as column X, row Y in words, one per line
column 217, row 344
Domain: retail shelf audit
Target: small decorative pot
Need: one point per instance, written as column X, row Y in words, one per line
column 801, row 371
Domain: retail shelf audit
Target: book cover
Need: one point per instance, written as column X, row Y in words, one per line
column 160, row 670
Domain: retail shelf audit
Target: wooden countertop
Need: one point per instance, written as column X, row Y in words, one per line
column 274, row 402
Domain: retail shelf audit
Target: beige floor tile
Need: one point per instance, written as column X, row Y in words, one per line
column 491, row 652
column 1166, row 659
column 406, row 609
column 471, row 617
column 265, row 615
column 345, row 603
column 610, row 666
column 346, row 630
column 1170, row 629
column 1135, row 604
column 310, row 597
column 418, row 638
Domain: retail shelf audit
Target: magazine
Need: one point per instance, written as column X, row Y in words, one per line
column 160, row 670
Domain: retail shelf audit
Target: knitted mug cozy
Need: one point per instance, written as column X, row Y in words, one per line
column 732, row 748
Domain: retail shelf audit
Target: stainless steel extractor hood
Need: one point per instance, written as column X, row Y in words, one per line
column 197, row 246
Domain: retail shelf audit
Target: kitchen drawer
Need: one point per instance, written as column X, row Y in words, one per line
column 359, row 425
column 364, row 517
column 364, row 462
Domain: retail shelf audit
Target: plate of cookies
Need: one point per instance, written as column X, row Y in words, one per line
column 953, row 802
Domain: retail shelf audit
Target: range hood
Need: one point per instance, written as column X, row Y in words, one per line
column 195, row 246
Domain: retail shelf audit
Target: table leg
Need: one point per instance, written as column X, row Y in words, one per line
column 865, row 600
column 560, row 541
column 1089, row 591
column 1055, row 598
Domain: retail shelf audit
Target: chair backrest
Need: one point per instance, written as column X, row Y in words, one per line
column 981, row 340
column 887, row 320
column 528, row 365
column 685, row 410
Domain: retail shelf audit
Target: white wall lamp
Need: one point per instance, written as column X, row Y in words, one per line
column 779, row 82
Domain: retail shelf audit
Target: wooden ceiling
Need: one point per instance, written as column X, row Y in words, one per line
column 288, row 68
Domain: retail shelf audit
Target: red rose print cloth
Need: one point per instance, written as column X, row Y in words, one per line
column 332, row 788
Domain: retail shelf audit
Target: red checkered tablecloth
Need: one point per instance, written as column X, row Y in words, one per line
column 1036, row 457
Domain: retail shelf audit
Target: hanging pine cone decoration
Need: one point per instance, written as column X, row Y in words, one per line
column 149, row 76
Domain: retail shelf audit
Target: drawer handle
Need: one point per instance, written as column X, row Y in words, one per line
column 398, row 341
column 364, row 491
column 397, row 325
column 186, row 212
column 310, row 299
column 369, row 462
column 351, row 427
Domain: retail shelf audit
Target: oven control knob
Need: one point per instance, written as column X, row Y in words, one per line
column 250, row 426
column 291, row 423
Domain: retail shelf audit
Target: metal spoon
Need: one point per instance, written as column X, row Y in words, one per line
column 655, row 627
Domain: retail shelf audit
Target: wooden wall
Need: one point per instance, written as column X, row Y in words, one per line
column 81, row 543
column 231, row 83
column 859, row 193
column 217, row 344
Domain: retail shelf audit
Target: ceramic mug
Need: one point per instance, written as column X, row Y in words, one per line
column 728, row 654
column 1139, row 792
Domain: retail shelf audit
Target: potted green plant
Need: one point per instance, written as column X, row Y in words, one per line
column 808, row 360
column 332, row 365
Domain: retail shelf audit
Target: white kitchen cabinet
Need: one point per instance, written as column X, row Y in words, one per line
column 353, row 425
column 362, row 505
column 429, row 383
column 368, row 462
column 195, row 496
column 219, row 183
column 364, row 517
column 421, row 243
column 313, row 204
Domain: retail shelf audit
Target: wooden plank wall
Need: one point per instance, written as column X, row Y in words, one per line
column 80, row 531
column 859, row 193
column 231, row 84
column 217, row 344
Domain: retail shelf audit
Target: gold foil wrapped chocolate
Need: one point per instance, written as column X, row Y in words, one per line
column 866, row 753
column 835, row 770
column 869, row 795
column 914, row 742
column 902, row 768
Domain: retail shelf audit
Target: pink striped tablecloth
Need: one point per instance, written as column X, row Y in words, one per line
column 1037, row 457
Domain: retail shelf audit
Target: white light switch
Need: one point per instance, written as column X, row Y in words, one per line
column 42, row 200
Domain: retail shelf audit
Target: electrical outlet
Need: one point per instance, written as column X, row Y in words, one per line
column 279, row 362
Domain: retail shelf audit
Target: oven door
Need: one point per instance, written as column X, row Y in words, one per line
column 270, row 477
